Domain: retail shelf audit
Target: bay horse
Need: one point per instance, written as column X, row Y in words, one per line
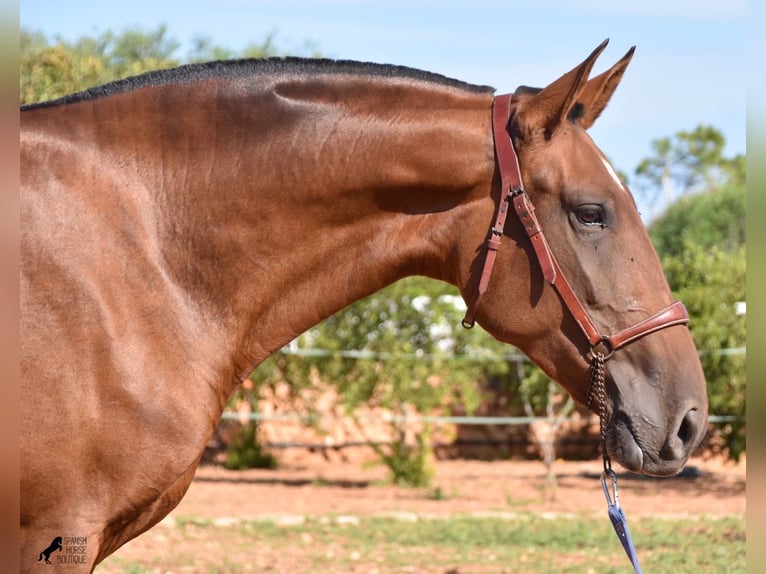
column 180, row 226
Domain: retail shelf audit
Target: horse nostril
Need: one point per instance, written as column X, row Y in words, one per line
column 680, row 444
column 687, row 432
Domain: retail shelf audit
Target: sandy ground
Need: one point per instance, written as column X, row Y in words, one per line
column 459, row 486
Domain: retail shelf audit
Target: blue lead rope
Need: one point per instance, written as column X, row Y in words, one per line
column 597, row 391
column 617, row 516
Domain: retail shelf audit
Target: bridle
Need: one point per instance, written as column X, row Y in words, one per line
column 602, row 347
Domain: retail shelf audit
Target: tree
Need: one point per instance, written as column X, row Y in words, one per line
column 51, row 69
column 715, row 218
column 203, row 50
column 541, row 394
column 688, row 162
column 701, row 241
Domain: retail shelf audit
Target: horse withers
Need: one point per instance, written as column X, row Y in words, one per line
column 180, row 226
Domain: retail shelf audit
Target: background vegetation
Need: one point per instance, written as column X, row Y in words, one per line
column 403, row 349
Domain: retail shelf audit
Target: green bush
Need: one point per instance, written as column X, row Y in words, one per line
column 409, row 465
column 245, row 451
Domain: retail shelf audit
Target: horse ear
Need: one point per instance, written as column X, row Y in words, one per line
column 596, row 93
column 549, row 108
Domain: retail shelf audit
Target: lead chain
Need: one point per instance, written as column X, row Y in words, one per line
column 598, row 388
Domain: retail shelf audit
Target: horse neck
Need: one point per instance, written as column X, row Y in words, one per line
column 282, row 207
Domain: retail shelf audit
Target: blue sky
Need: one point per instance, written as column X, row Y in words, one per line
column 689, row 67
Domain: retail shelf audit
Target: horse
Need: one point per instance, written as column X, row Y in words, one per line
column 179, row 227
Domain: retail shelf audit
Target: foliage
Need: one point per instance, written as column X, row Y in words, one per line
column 541, row 396
column 711, row 282
column 701, row 242
column 246, row 452
column 402, row 350
column 51, row 69
column 409, row 465
column 713, row 218
column 203, row 50
column 689, row 161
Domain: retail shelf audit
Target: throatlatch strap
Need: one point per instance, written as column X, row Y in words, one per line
column 510, row 176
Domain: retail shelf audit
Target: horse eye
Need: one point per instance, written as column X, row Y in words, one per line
column 590, row 215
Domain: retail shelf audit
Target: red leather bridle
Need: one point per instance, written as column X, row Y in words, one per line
column 508, row 162
column 602, row 347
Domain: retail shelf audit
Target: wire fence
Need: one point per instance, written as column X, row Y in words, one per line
column 462, row 420
column 419, row 419
column 512, row 355
column 511, row 421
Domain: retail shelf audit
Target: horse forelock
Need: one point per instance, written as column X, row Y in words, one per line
column 255, row 67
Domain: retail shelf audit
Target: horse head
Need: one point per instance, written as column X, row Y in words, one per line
column 656, row 402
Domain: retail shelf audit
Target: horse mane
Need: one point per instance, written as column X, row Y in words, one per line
column 255, row 67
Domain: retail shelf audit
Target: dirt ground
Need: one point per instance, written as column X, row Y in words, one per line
column 339, row 489
column 322, row 487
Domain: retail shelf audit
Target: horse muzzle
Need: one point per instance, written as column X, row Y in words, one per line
column 656, row 450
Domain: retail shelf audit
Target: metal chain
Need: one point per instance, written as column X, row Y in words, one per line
column 597, row 391
column 598, row 388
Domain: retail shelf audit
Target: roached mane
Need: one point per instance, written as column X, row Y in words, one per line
column 255, row 67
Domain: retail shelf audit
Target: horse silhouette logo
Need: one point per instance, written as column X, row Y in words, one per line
column 55, row 545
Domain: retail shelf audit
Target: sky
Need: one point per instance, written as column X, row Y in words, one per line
column 689, row 67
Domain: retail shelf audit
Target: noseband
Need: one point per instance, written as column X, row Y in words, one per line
column 602, row 346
